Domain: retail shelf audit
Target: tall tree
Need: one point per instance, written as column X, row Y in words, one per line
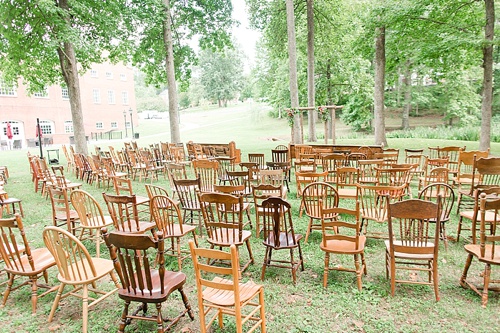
column 311, row 91
column 47, row 42
column 379, row 117
column 170, row 59
column 489, row 31
column 297, row 136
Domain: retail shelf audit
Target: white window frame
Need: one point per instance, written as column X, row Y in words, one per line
column 47, row 127
column 6, row 89
column 68, row 126
column 111, row 97
column 94, row 73
column 44, row 93
column 125, row 97
column 99, row 125
column 109, row 75
column 123, row 77
column 114, row 124
column 96, row 96
column 64, row 93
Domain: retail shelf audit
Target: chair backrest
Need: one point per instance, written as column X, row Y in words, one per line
column 466, row 161
column 72, row 258
column 347, row 177
column 225, row 279
column 316, row 194
column 137, row 269
column 488, row 170
column 277, row 222
column 59, row 200
column 186, row 190
column 123, row 211
column 393, row 176
column 263, row 191
column 353, row 158
column 304, row 178
column 330, row 163
column 367, row 170
column 230, row 189
column 389, row 157
column 223, row 217
column 123, row 186
column 340, row 228
column 240, row 178
column 207, row 171
column 153, row 190
column 488, row 237
column 275, row 177
column 374, row 201
column 166, row 214
column 452, row 153
column 436, row 175
column 435, row 190
column 88, row 209
column 410, row 227
column 13, row 244
column 280, row 155
column 258, row 158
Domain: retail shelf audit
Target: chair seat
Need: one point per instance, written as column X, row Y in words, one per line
column 348, row 192
column 140, row 200
column 108, row 220
column 73, row 215
column 226, row 239
column 42, row 258
column 416, row 256
column 475, row 249
column 285, row 241
column 469, row 214
column 143, row 227
column 343, row 246
column 172, row 281
column 226, row 298
column 102, row 267
column 176, row 232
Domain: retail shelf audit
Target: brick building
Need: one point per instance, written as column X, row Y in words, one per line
column 108, row 100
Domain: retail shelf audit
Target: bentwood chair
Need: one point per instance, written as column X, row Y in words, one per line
column 21, row 260
column 279, row 234
column 168, row 218
column 220, row 292
column 342, row 236
column 413, row 243
column 487, row 251
column 78, row 270
column 143, row 281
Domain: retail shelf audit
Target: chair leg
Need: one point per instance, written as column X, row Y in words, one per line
column 435, row 278
column 484, row 295
column 85, row 306
column 358, row 272
column 301, row 257
column 56, row 302
column 186, row 303
column 179, row 256
column 326, row 269
column 34, row 295
column 123, row 320
column 266, row 262
column 466, row 269
column 7, row 291
column 308, row 231
column 159, row 319
column 249, row 251
column 262, row 311
column 294, row 267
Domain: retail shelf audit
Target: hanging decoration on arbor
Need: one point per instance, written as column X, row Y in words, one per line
column 323, row 113
column 290, row 115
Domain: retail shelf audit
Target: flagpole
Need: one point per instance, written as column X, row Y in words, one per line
column 39, row 136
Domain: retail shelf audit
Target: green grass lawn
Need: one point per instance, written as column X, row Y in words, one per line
column 304, row 307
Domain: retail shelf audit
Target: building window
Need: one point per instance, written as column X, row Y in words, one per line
column 114, row 124
column 96, row 96
column 123, row 77
column 7, row 89
column 68, row 126
column 64, row 93
column 111, row 97
column 44, row 93
column 93, row 73
column 99, row 125
column 109, row 75
column 125, row 97
column 127, row 124
column 47, row 127
column 13, row 126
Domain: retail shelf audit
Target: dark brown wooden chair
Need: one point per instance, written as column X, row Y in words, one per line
column 279, row 234
column 413, row 242
column 223, row 216
column 21, row 260
column 186, row 190
column 341, row 236
column 488, row 249
column 143, row 281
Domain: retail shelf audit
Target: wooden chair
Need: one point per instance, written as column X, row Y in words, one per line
column 7, row 203
column 237, row 178
column 175, row 171
column 223, row 218
column 224, row 293
column 123, row 211
column 62, row 214
column 77, row 269
column 91, row 217
column 279, row 234
column 413, row 243
column 207, row 171
column 347, row 183
column 374, row 203
column 123, row 186
column 144, row 281
column 354, row 158
column 452, row 153
column 431, row 193
column 258, row 158
column 473, row 214
column 285, row 168
column 341, row 236
column 237, row 190
column 274, row 177
column 487, row 251
column 313, row 195
column 434, row 175
column 331, row 163
column 168, row 218
column 367, row 171
column 186, row 190
column 260, row 193
column 395, row 176
column 153, row 190
column 21, row 260
column 466, row 175
column 225, row 164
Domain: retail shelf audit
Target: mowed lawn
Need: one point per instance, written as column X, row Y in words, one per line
column 304, row 307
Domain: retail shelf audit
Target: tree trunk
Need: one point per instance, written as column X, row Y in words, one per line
column 489, row 29
column 311, row 91
column 329, row 133
column 69, row 68
column 297, row 136
column 173, row 109
column 379, row 117
column 405, row 123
